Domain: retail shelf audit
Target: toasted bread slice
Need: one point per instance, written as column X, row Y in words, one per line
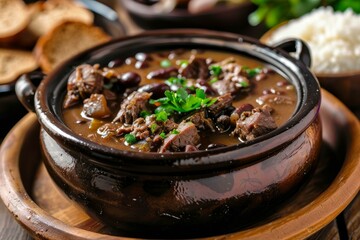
column 65, row 41
column 14, row 17
column 47, row 15
column 13, row 63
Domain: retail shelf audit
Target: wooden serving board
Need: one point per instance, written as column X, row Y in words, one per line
column 40, row 207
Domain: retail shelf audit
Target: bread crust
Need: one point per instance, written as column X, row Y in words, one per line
column 14, row 18
column 52, row 49
column 13, row 63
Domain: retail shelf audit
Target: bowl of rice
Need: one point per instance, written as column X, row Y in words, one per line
column 334, row 41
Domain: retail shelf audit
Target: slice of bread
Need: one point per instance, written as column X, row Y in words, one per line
column 65, row 41
column 14, row 17
column 13, row 63
column 47, row 15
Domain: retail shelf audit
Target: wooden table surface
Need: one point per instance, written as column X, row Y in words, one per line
column 346, row 226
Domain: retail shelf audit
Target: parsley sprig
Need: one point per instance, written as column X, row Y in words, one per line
column 181, row 101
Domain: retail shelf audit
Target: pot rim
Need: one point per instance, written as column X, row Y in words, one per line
column 307, row 109
column 148, row 12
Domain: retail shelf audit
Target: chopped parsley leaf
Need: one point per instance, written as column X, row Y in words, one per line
column 182, row 63
column 165, row 63
column 161, row 116
column 130, row 138
column 175, row 131
column 215, row 70
column 252, row 72
column 144, row 113
column 214, row 80
column 162, row 135
column 181, row 101
column 178, row 81
column 153, row 127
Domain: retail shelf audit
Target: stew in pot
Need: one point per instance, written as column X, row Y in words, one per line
column 176, row 101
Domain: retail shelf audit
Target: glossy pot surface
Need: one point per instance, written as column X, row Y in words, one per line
column 182, row 194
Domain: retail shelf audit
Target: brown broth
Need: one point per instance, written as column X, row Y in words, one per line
column 282, row 113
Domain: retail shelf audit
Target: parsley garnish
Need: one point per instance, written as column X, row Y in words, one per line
column 161, row 115
column 153, row 127
column 130, row 138
column 178, row 81
column 162, row 135
column 182, row 63
column 214, row 80
column 175, row 131
column 180, row 101
column 144, row 113
column 165, row 63
column 215, row 70
column 252, row 72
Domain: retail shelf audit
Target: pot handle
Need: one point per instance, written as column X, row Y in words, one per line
column 298, row 47
column 25, row 88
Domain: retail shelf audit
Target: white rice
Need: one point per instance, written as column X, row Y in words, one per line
column 333, row 37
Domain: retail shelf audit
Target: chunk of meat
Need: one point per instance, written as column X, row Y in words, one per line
column 113, row 130
column 140, row 129
column 196, row 69
column 96, row 106
column 254, row 123
column 223, row 104
column 188, row 135
column 83, row 82
column 201, row 121
column 232, row 79
column 132, row 106
column 235, row 115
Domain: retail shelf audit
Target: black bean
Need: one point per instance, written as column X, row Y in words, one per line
column 282, row 83
column 143, row 57
column 129, row 61
column 163, row 73
column 141, row 64
column 115, row 63
column 266, row 92
column 243, row 108
column 260, row 76
column 223, row 123
column 129, row 79
column 157, row 89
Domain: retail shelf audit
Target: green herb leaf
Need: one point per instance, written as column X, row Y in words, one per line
column 180, row 101
column 214, row 80
column 182, row 63
column 177, row 81
column 175, row 131
column 161, row 116
column 130, row 139
column 144, row 113
column 200, row 93
column 215, row 70
column 165, row 63
column 252, row 72
column 153, row 127
column 162, row 135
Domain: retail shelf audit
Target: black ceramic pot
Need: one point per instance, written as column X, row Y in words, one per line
column 183, row 194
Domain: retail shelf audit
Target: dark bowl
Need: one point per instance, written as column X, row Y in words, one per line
column 232, row 18
column 11, row 110
column 183, row 194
